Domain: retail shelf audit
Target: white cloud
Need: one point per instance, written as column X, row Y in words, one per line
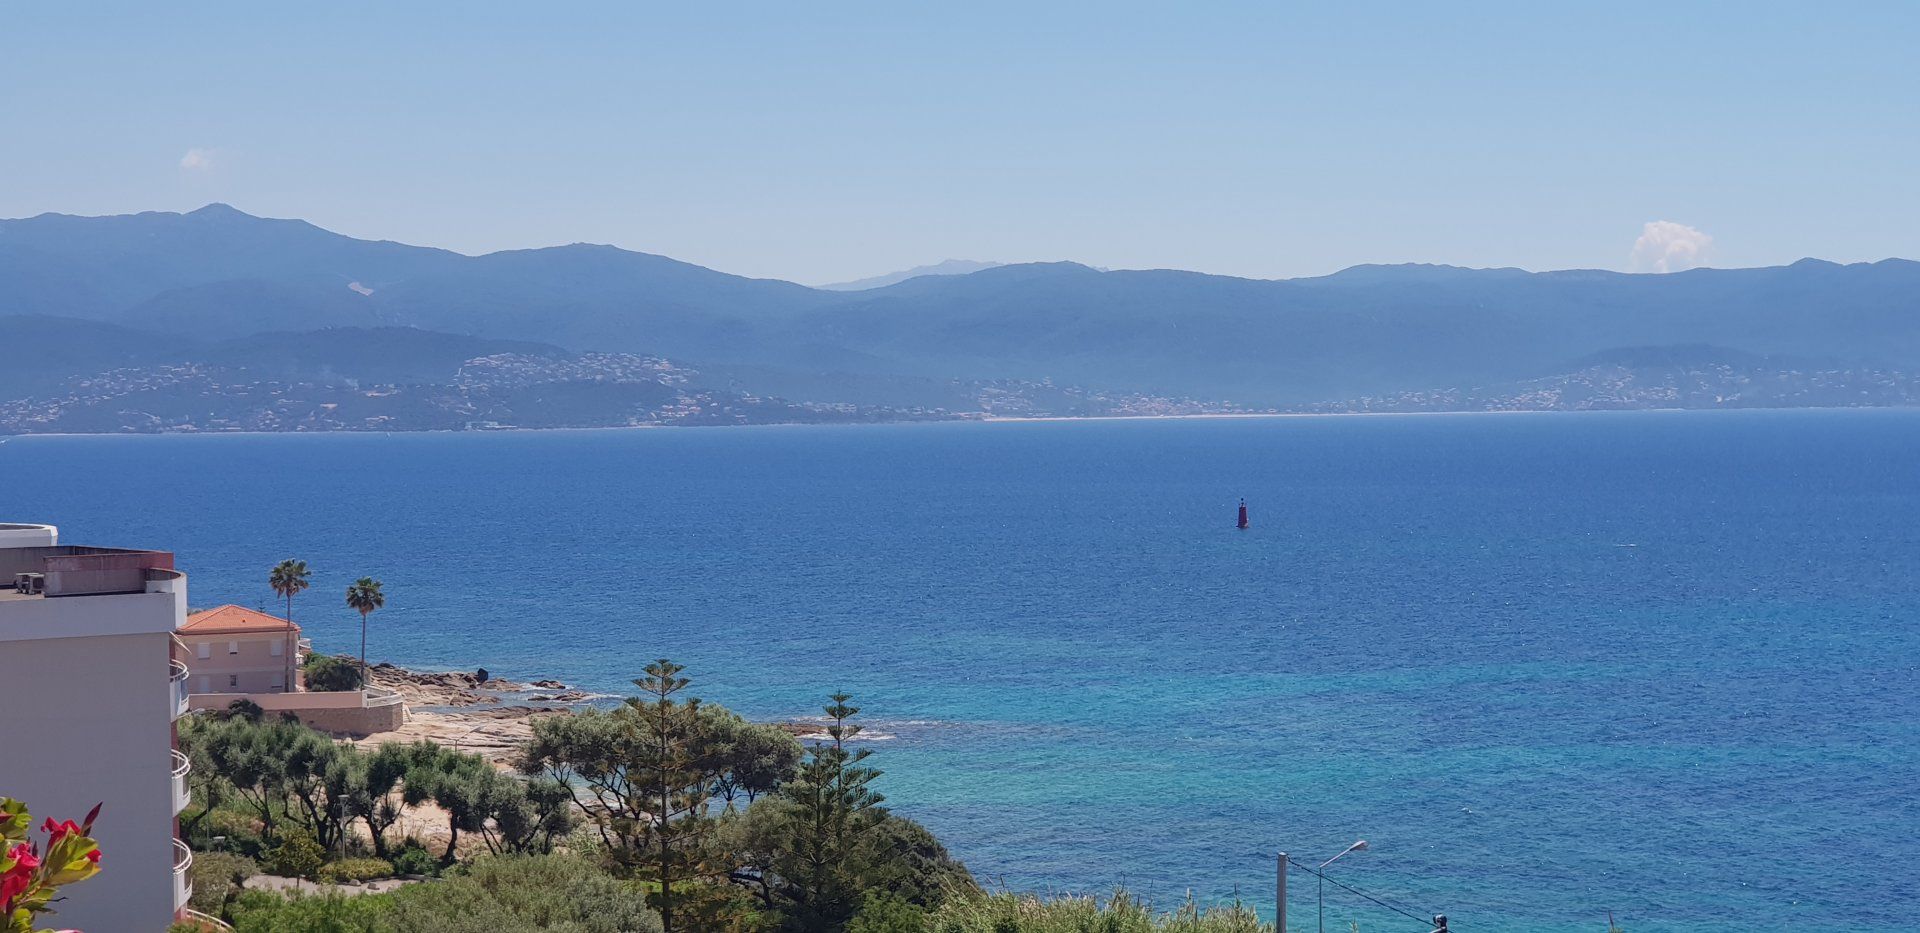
column 1665, row 246
column 197, row 160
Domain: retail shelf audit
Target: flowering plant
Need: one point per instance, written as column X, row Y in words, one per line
column 31, row 874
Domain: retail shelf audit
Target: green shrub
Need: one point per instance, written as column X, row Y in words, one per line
column 297, row 856
column 328, row 673
column 235, row 828
column 914, row 865
column 1121, row 913
column 217, row 877
column 355, row 869
column 414, row 859
column 500, row 893
column 267, row 912
column 243, row 708
column 884, row 912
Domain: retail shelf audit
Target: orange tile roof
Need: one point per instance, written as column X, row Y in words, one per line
column 235, row 620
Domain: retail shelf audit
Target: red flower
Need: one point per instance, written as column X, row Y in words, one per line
column 93, row 855
column 55, row 831
column 24, row 859
column 12, row 884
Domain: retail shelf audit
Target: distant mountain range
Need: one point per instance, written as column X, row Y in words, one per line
column 1690, row 376
column 226, row 289
column 948, row 267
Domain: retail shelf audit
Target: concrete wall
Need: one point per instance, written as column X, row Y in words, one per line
column 14, row 535
column 344, row 712
column 242, row 663
column 356, row 721
column 90, row 720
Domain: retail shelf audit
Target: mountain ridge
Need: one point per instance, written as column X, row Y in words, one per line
column 943, row 267
column 219, row 273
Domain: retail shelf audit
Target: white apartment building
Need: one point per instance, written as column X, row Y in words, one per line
column 95, row 681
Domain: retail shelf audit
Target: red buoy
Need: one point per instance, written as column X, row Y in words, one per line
column 1243, row 513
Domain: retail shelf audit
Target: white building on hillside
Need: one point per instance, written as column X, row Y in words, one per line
column 94, row 682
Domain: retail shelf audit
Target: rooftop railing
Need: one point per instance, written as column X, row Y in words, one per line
column 72, row 570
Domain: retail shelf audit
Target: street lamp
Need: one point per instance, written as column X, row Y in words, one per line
column 1358, row 846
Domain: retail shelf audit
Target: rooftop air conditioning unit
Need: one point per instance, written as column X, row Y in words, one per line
column 30, row 584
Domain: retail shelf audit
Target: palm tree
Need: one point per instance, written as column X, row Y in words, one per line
column 364, row 597
column 287, row 578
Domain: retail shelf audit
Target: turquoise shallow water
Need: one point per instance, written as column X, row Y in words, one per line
column 1548, row 665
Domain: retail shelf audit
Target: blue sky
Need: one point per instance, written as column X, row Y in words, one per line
column 823, row 141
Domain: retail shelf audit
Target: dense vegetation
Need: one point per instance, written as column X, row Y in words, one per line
column 327, row 673
column 663, row 815
column 557, row 893
column 665, row 807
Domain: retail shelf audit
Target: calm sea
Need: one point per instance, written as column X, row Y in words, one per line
column 1666, row 665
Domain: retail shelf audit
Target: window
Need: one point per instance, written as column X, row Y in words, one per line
column 233, row 680
column 277, row 647
column 206, row 651
column 279, row 682
column 233, row 647
column 206, row 683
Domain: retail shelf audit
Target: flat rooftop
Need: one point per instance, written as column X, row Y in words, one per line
column 62, row 570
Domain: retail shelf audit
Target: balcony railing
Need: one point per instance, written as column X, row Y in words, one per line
column 181, row 794
column 378, row 696
column 182, row 874
column 205, row 920
column 177, row 679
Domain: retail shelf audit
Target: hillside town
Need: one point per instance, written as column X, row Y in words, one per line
column 507, row 391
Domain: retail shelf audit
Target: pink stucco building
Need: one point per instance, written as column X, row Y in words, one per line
column 239, row 650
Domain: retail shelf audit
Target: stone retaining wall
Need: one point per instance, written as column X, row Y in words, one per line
column 344, row 712
column 355, row 721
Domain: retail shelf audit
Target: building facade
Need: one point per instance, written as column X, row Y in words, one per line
column 95, row 683
column 244, row 654
column 233, row 649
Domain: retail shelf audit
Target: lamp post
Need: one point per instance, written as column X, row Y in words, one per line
column 1358, row 846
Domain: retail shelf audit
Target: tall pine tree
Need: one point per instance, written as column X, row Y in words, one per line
column 828, row 859
column 671, row 773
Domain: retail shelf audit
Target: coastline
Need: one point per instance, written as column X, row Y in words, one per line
column 992, row 419
column 491, row 718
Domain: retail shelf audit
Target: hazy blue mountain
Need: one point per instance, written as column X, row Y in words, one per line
column 43, row 352
column 947, row 267
column 602, row 298
column 217, row 273
column 104, row 267
column 1690, row 376
column 1370, row 330
column 398, row 355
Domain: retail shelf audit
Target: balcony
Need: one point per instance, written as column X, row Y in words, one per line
column 181, row 794
column 182, row 875
column 177, row 681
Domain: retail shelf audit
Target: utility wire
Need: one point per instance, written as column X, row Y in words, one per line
column 1351, row 889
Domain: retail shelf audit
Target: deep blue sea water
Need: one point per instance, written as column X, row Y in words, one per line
column 1663, row 664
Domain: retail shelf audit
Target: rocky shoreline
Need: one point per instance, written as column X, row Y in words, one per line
column 491, row 717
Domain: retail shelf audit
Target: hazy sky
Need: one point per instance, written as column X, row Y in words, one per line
column 831, row 140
